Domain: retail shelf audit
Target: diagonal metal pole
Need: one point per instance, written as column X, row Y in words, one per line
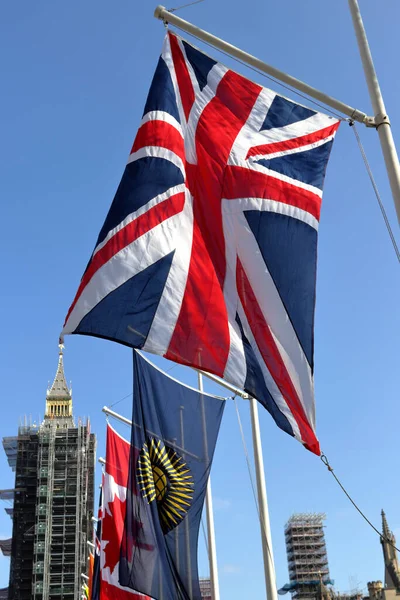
column 382, row 121
column 171, row 443
column 167, row 17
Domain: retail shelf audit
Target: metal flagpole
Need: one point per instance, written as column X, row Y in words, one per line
column 186, row 524
column 164, row 15
column 212, row 551
column 382, row 121
column 269, row 567
column 176, row 537
column 171, row 443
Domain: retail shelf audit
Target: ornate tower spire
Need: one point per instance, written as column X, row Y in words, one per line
column 392, row 569
column 59, row 396
column 385, row 527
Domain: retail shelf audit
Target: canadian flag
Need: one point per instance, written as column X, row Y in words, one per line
column 113, row 517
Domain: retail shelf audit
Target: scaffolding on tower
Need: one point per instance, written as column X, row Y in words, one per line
column 307, row 556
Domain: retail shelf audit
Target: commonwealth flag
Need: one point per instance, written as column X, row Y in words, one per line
column 174, row 432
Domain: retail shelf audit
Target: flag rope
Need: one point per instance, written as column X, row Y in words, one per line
column 375, row 188
column 205, row 538
column 184, row 6
column 118, row 401
column 166, row 373
column 326, row 462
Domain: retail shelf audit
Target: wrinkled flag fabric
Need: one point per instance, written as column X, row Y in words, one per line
column 114, row 493
column 174, row 432
column 208, row 253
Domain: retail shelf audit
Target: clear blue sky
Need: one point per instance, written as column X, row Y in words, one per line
column 74, row 81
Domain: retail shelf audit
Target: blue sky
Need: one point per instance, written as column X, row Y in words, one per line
column 74, row 78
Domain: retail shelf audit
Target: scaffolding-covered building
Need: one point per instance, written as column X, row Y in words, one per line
column 307, row 557
column 53, row 500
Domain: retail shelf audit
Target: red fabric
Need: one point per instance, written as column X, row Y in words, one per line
column 116, row 472
column 91, row 563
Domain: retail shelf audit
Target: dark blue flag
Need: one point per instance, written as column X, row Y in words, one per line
column 174, row 432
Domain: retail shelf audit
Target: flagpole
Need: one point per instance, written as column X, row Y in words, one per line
column 212, row 550
column 176, row 534
column 269, row 567
column 167, row 17
column 382, row 121
column 186, row 523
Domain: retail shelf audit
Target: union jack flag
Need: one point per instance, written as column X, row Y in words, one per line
column 208, row 253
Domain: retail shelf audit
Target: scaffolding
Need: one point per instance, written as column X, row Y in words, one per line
column 307, row 556
column 5, row 546
column 24, row 496
column 64, row 509
column 53, row 500
column 7, row 495
column 53, row 507
column 10, row 445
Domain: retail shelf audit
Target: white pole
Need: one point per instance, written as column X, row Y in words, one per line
column 186, row 523
column 212, row 550
column 224, row 384
column 164, row 15
column 381, row 119
column 269, row 567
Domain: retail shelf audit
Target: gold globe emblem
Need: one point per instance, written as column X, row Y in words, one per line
column 164, row 477
column 160, row 483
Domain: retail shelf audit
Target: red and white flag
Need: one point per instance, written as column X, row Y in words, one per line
column 113, row 517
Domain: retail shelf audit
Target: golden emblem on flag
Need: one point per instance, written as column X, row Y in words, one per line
column 164, row 477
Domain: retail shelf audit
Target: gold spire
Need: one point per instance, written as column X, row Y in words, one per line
column 59, row 396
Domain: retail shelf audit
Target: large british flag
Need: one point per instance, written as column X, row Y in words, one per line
column 208, row 253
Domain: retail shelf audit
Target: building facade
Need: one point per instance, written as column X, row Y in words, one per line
column 53, row 500
column 205, row 588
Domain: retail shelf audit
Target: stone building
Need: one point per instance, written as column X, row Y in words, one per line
column 391, row 586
